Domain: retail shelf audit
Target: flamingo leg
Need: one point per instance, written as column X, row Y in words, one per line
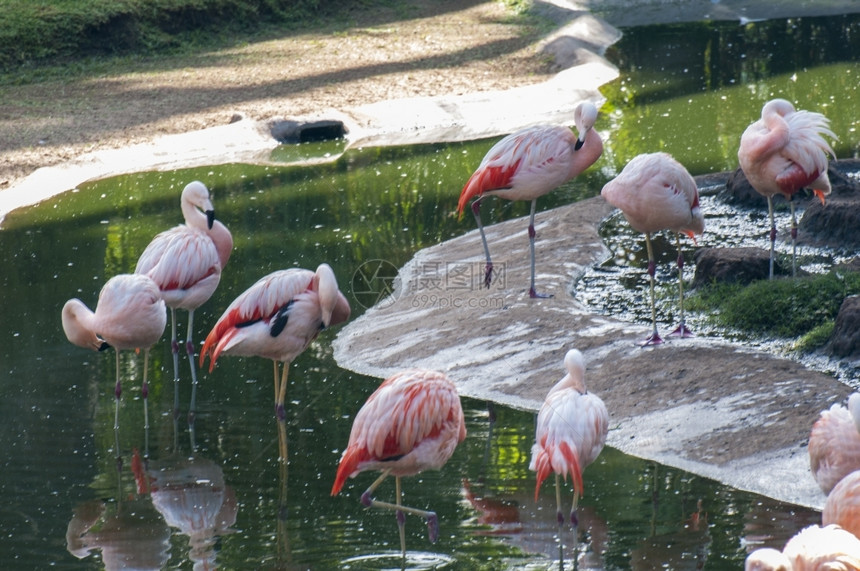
column 558, row 513
column 144, row 391
column 174, row 348
column 532, row 292
column 654, row 338
column 369, row 501
column 189, row 348
column 117, row 393
column 793, row 237
column 280, row 409
column 488, row 271
column 772, row 234
column 682, row 330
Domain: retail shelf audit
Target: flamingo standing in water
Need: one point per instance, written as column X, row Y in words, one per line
column 277, row 318
column 411, row 423
column 528, row 164
column 130, row 314
column 186, row 263
column 814, row 547
column 834, row 443
column 655, row 192
column 571, row 430
column 782, row 153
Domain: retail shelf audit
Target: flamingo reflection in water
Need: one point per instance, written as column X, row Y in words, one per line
column 191, row 495
column 411, row 423
column 129, row 532
column 517, row 520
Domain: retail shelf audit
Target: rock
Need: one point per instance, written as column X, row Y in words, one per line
column 845, row 340
column 288, row 131
column 734, row 265
column 837, row 222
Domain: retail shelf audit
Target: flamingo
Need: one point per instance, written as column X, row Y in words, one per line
column 814, row 547
column 130, row 314
column 277, row 318
column 186, row 262
column 843, row 504
column 411, row 423
column 834, row 443
column 782, row 153
column 571, row 430
column 528, row 164
column 655, row 192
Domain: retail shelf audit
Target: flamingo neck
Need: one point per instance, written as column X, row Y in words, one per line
column 193, row 216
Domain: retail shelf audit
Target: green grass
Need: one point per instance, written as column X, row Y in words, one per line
column 38, row 31
column 802, row 308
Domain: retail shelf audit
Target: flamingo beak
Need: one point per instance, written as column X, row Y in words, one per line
column 578, row 145
column 210, row 218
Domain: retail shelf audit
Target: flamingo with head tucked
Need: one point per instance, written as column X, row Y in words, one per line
column 277, row 318
column 782, row 153
column 411, row 423
column 186, row 263
column 571, row 431
column 655, row 192
column 814, row 547
column 834, row 443
column 130, row 314
column 527, row 165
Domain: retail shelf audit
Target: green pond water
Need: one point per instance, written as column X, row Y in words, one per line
column 66, row 502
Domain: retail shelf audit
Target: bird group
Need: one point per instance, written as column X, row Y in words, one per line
column 781, row 153
column 834, row 458
column 414, row 420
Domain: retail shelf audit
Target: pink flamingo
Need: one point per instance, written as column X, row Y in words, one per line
column 411, row 423
column 814, row 547
column 186, row 263
column 782, row 153
column 130, row 314
column 571, row 430
column 655, row 192
column 277, row 318
column 528, row 164
column 843, row 504
column 834, row 443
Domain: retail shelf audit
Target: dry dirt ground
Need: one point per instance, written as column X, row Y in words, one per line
column 446, row 47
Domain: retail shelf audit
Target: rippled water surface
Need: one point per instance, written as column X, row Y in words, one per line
column 219, row 497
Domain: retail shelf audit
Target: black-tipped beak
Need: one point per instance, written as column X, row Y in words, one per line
column 210, row 218
column 104, row 346
column 578, row 145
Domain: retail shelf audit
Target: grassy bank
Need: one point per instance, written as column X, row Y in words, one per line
column 37, row 32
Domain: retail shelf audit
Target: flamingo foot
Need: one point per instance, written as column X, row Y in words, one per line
column 535, row 295
column 653, row 339
column 366, row 499
column 432, row 527
column 682, row 331
column 488, row 275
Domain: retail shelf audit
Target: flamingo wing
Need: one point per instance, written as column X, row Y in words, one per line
column 179, row 258
column 536, row 159
column 410, row 411
column 268, row 300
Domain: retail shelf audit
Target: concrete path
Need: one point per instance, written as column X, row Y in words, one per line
column 710, row 407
